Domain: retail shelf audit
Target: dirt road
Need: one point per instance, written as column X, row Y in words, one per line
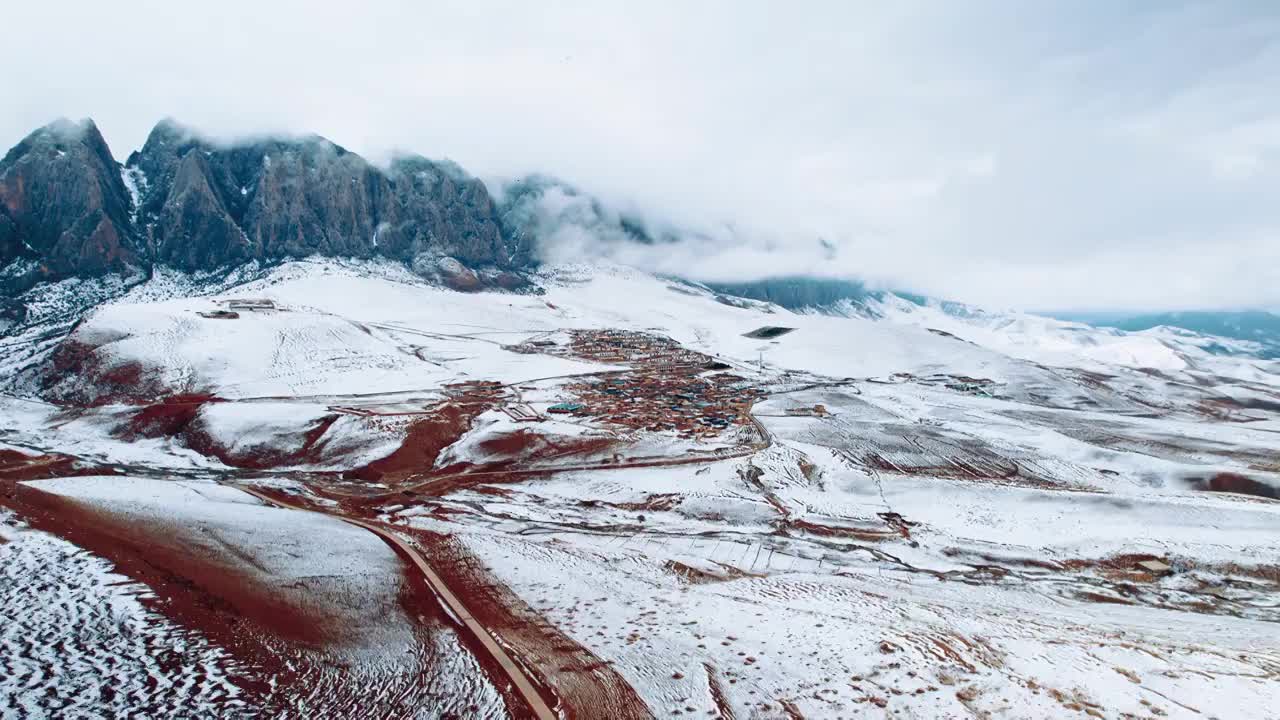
column 519, row 679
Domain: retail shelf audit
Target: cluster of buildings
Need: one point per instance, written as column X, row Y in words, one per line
column 618, row 347
column 235, row 306
column 670, row 388
column 685, row 401
column 475, row 390
column 251, row 305
column 980, row 387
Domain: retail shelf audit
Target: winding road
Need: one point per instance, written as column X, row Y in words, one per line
column 519, row 678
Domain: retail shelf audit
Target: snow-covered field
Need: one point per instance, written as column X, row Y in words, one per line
column 839, row 642
column 995, row 602
column 930, row 513
column 325, row 597
column 77, row 642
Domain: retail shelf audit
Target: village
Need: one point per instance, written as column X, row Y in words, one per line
column 668, row 388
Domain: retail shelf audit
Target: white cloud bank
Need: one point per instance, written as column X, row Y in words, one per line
column 1069, row 155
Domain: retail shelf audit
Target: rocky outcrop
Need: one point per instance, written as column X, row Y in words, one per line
column 10, row 246
column 205, row 204
column 65, row 207
column 194, row 227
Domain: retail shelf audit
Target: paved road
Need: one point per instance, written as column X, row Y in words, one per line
column 524, row 686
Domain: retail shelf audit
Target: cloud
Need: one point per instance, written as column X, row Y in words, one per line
column 1029, row 154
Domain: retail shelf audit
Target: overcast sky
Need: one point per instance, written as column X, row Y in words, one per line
column 1079, row 155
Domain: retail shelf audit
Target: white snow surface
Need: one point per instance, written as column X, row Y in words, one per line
column 1020, row 454
column 301, row 351
column 209, row 517
column 331, row 569
column 78, row 642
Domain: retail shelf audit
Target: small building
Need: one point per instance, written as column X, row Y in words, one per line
column 251, row 304
column 220, row 315
column 521, row 413
column 806, row 411
column 565, row 408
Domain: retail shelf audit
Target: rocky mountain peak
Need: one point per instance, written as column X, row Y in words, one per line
column 66, row 209
column 183, row 200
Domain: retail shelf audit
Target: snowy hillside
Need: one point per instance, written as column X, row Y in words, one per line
column 629, row 492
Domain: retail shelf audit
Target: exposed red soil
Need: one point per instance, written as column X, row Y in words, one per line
column 1266, row 573
column 1241, row 485
column 414, row 461
column 1123, row 569
column 698, row 576
column 177, row 416
column 301, row 500
column 492, row 490
column 98, row 381
column 652, row 502
column 273, row 640
column 446, row 479
column 16, row 467
column 197, row 594
column 717, row 693
column 691, row 574
column 510, row 444
column 1126, row 561
column 529, row 446
column 124, row 374
column 310, row 448
column 794, row 713
column 1105, row 599
column 577, row 680
column 867, row 534
column 426, row 439
column 169, row 418
column 72, row 356
column 899, row 523
column 419, row 601
column 217, row 583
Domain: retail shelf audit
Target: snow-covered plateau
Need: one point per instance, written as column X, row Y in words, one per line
column 330, row 488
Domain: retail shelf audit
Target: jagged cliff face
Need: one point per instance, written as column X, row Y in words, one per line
column 63, row 206
column 202, row 203
column 193, row 204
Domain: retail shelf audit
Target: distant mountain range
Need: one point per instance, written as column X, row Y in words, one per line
column 69, row 209
column 798, row 292
column 845, row 297
column 1256, row 326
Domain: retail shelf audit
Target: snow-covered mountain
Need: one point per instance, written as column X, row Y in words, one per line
column 1258, row 329
column 644, row 493
column 69, row 209
column 596, row 491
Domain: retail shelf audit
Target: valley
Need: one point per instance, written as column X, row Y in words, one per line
column 345, row 489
